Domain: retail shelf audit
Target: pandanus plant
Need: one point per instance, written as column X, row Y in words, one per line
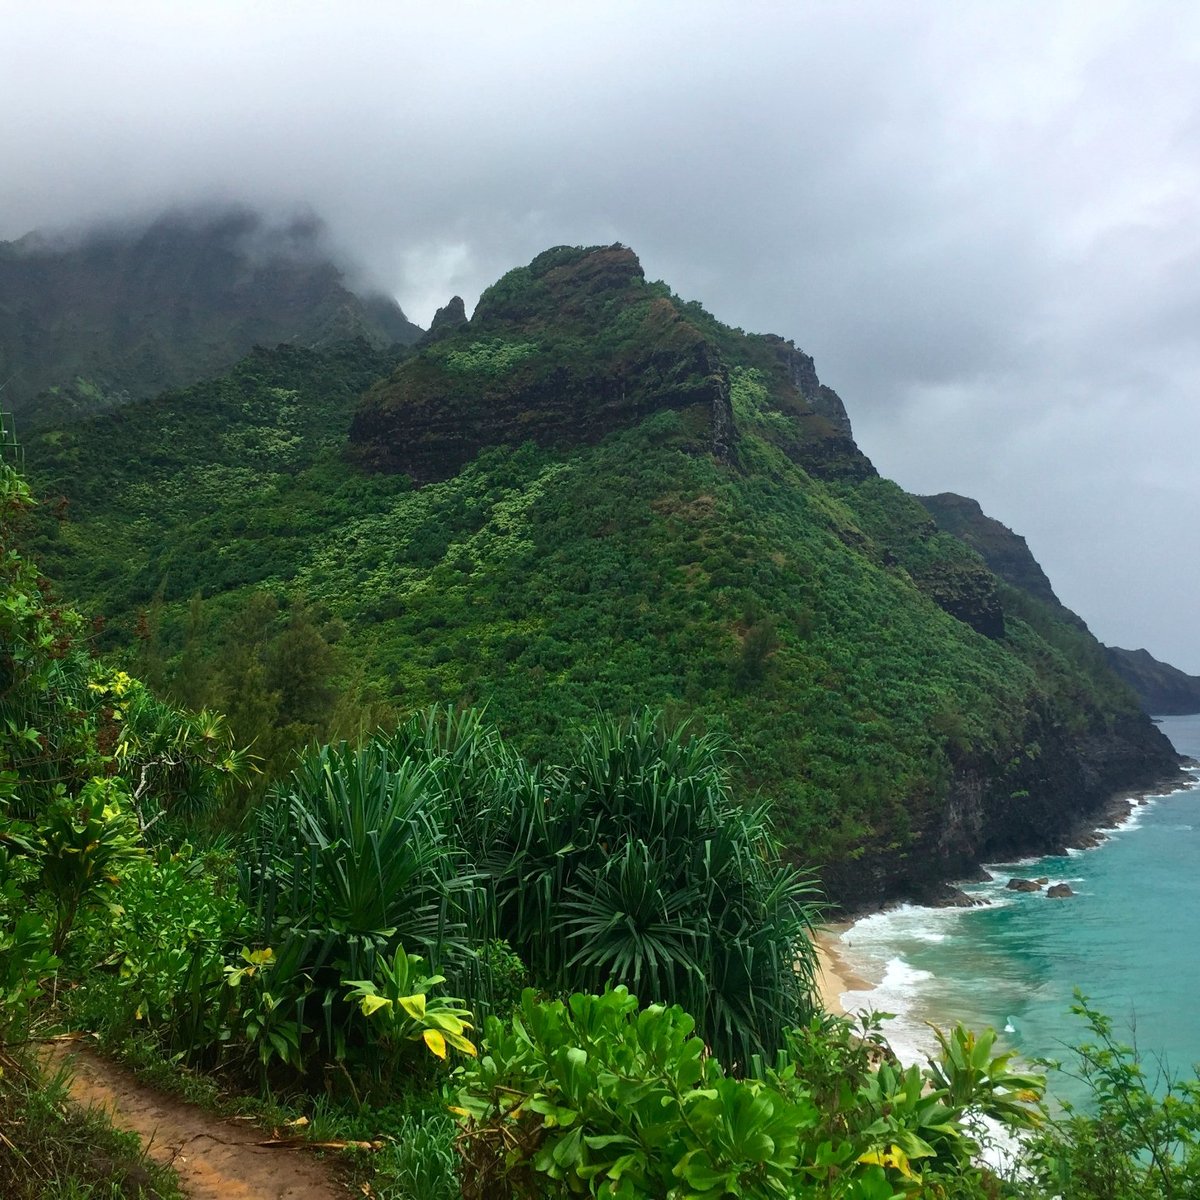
column 354, row 855
column 634, row 864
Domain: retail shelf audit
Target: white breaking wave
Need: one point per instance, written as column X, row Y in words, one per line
column 911, row 1039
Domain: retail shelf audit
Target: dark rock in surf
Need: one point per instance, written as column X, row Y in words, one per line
column 957, row 898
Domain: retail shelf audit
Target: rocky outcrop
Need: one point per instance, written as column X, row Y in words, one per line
column 1161, row 688
column 1059, row 891
column 421, row 424
column 802, row 374
column 1006, row 553
column 957, row 898
column 448, row 319
column 561, row 352
column 822, row 441
column 1023, row 885
column 577, row 345
column 967, row 592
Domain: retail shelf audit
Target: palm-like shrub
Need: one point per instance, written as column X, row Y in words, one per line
column 354, row 854
column 635, row 865
column 456, row 744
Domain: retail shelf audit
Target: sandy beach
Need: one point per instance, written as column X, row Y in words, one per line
column 835, row 977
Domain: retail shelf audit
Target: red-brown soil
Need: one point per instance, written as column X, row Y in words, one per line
column 214, row 1159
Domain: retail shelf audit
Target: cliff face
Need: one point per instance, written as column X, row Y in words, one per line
column 568, row 350
column 1162, row 689
column 819, row 437
column 125, row 314
column 1006, row 553
column 1038, row 802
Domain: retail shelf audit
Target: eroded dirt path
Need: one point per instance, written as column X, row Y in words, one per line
column 215, row 1159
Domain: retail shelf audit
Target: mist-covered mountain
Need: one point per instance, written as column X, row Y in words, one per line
column 1163, row 689
column 593, row 495
column 120, row 314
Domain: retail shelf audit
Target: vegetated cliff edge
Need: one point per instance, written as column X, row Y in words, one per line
column 123, row 313
column 593, row 495
column 1163, row 689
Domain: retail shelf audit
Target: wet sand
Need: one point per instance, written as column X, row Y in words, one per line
column 835, row 977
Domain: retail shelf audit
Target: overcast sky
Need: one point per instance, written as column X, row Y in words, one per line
column 982, row 219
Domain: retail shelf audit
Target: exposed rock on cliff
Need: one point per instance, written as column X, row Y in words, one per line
column 1036, row 802
column 572, row 348
column 1006, row 553
column 448, row 319
column 966, row 593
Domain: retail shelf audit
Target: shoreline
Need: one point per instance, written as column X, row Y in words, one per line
column 842, row 971
column 1086, row 833
column 835, row 976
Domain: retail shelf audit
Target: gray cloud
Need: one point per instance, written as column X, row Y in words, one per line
column 981, row 220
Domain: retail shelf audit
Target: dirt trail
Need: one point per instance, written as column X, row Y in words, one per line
column 215, row 1159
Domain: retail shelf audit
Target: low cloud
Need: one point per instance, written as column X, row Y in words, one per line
column 980, row 220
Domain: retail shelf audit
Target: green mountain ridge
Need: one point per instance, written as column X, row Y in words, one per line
column 595, row 496
column 1006, row 553
column 1163, row 689
column 121, row 314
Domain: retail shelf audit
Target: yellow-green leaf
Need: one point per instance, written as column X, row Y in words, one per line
column 892, row 1157
column 462, row 1044
column 435, row 1042
column 372, row 1004
column 413, row 1005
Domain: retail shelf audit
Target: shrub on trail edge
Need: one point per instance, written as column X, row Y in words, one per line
column 596, row 1097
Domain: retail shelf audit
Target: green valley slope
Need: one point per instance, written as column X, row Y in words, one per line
column 594, row 496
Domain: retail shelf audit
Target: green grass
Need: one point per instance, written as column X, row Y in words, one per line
column 53, row 1148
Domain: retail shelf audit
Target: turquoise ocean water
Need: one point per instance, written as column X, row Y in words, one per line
column 1130, row 940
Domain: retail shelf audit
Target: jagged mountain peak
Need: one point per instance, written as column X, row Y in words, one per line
column 578, row 343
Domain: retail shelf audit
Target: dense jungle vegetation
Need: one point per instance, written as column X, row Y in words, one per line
column 856, row 659
column 457, row 744
column 589, row 976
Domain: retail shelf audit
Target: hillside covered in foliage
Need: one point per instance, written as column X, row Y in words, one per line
column 93, row 321
column 451, row 742
column 361, row 954
column 592, row 497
